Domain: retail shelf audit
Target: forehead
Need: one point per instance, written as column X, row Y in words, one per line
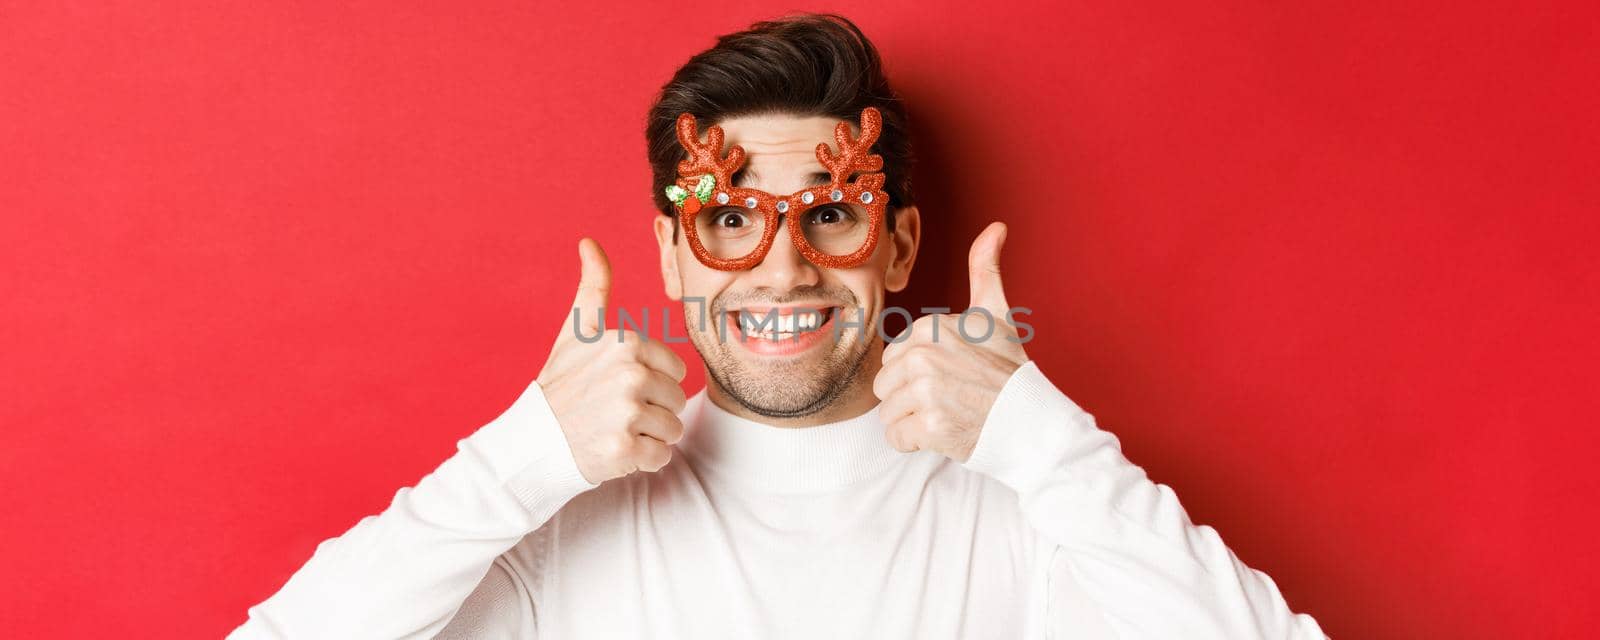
column 780, row 149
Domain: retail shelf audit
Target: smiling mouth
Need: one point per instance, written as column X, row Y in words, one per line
column 783, row 324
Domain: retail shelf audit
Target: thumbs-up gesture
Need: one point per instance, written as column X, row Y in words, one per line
column 617, row 397
column 938, row 382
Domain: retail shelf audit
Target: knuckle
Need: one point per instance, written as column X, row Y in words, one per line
column 633, row 414
column 653, row 456
column 902, row 444
column 632, row 375
column 896, row 406
column 892, row 434
column 678, row 400
column 920, row 357
column 674, row 430
column 619, row 447
column 622, row 342
column 908, row 426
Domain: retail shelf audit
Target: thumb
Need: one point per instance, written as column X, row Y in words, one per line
column 983, row 269
column 594, row 287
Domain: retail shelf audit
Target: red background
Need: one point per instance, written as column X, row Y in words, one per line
column 1328, row 271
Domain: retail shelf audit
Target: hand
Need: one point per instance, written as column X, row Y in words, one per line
column 617, row 398
column 937, row 392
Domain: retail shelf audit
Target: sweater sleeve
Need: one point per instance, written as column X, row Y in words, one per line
column 1128, row 542
column 501, row 607
column 403, row 573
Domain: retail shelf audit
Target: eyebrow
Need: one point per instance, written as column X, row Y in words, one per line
column 743, row 178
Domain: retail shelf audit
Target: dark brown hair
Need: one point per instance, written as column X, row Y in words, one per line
column 805, row 65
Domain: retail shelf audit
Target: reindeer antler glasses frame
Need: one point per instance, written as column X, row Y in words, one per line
column 835, row 225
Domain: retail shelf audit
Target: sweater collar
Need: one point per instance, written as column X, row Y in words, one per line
column 784, row 459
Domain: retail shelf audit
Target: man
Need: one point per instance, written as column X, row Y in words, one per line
column 823, row 484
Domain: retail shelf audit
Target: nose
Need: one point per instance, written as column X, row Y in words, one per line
column 784, row 268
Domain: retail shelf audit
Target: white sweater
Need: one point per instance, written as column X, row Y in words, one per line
column 754, row 531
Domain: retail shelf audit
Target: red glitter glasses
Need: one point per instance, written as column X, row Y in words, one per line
column 730, row 228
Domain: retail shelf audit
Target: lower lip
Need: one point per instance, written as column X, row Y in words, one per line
column 798, row 343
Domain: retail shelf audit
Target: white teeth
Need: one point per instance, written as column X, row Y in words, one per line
column 778, row 327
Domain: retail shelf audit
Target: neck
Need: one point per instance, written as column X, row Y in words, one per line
column 758, row 456
column 855, row 401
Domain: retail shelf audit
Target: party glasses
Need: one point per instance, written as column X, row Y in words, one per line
column 730, row 228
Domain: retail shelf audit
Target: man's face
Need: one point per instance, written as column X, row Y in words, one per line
column 813, row 361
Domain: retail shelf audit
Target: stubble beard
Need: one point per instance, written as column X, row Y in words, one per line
column 783, row 389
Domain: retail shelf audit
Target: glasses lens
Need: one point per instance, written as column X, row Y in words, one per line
column 836, row 229
column 729, row 232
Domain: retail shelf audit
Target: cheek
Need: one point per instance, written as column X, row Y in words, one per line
column 700, row 284
column 696, row 277
column 700, row 281
column 865, row 282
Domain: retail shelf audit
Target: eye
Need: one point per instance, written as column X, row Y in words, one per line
column 729, row 218
column 829, row 215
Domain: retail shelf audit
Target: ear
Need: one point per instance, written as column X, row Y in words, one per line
column 903, row 242
column 665, row 232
